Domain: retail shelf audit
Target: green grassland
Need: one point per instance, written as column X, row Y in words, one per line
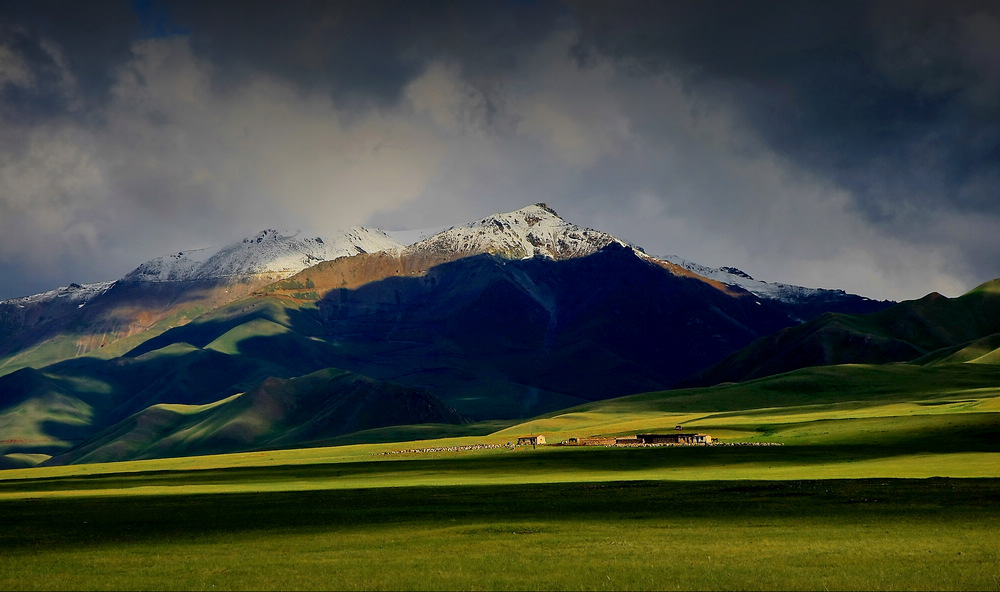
column 840, row 534
column 897, row 421
column 888, row 477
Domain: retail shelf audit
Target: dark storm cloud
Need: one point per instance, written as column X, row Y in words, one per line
column 93, row 39
column 897, row 101
column 865, row 134
column 360, row 52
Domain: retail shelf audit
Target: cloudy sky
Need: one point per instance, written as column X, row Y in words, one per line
column 834, row 144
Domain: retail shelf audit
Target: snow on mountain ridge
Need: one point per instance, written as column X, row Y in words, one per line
column 733, row 276
column 269, row 254
column 73, row 293
column 531, row 231
column 535, row 230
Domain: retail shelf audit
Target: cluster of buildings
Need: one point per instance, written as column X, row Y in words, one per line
column 636, row 440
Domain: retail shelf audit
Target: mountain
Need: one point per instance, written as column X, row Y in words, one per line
column 108, row 319
column 931, row 330
column 516, row 314
column 512, row 315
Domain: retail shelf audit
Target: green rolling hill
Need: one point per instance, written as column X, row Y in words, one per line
column 276, row 413
column 931, row 330
column 901, row 405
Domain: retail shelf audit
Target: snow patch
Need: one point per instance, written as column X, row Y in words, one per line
column 72, row 294
column 269, row 253
column 735, row 277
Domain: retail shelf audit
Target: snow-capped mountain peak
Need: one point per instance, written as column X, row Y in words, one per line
column 268, row 254
column 535, row 230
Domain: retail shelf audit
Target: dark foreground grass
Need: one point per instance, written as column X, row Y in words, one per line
column 838, row 534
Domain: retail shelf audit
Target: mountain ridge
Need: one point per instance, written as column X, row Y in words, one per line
column 161, row 293
column 772, row 290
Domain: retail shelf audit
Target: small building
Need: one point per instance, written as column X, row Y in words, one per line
column 530, row 440
column 627, row 441
column 596, row 441
column 674, row 438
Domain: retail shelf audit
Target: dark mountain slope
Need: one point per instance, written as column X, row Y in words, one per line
column 40, row 414
column 56, row 408
column 591, row 327
column 274, row 414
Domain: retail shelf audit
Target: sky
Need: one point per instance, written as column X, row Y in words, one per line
column 851, row 145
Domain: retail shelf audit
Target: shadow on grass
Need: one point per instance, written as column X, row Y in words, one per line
column 82, row 522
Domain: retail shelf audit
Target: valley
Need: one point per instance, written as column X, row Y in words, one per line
column 351, row 424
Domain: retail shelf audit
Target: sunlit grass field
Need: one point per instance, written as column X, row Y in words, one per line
column 837, row 534
column 887, row 478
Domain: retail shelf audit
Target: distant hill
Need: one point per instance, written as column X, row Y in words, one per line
column 931, row 330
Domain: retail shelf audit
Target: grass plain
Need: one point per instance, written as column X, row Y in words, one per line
column 887, row 478
column 936, row 534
